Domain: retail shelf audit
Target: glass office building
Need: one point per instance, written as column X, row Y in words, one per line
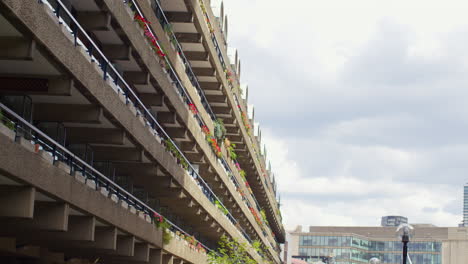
column 465, row 205
column 351, row 249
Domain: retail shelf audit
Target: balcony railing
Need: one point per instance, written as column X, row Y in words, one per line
column 193, row 78
column 221, row 57
column 59, row 153
column 118, row 83
column 164, row 22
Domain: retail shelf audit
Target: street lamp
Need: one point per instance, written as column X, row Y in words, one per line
column 374, row 261
column 404, row 232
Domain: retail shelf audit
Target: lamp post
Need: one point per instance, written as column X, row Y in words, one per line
column 374, row 261
column 405, row 231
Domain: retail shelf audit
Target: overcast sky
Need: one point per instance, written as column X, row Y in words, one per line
column 363, row 105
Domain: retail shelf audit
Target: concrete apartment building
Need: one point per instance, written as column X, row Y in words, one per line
column 111, row 148
column 356, row 245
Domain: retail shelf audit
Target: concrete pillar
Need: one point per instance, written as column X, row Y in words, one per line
column 60, row 86
column 178, row 261
column 105, row 237
column 50, row 216
column 7, row 244
column 168, row 259
column 156, row 256
column 142, row 252
column 16, row 48
column 125, row 246
column 20, row 200
column 80, row 228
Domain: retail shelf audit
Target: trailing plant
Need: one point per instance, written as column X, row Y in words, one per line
column 229, row 78
column 170, row 33
column 256, row 216
column 150, row 36
column 219, row 129
column 230, row 251
column 245, row 120
column 207, row 19
column 193, row 108
column 263, row 214
column 212, row 141
column 161, row 223
column 227, row 142
column 172, row 148
column 241, row 92
column 200, row 248
column 221, row 207
column 167, row 237
column 243, row 174
column 192, row 241
column 8, row 123
column 232, row 152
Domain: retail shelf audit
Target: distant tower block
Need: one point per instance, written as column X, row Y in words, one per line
column 393, row 220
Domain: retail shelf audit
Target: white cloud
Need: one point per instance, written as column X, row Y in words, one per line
column 362, row 103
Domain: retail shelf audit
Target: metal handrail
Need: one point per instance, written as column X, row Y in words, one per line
column 138, row 103
column 58, row 147
column 165, row 22
column 192, row 76
column 220, row 54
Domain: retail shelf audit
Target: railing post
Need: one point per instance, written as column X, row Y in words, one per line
column 104, row 68
column 90, row 52
column 57, row 9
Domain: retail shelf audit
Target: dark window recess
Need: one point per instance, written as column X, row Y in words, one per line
column 23, row 85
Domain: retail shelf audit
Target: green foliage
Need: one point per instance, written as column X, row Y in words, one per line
column 232, row 252
column 8, row 123
column 166, row 236
column 232, row 152
column 219, row 129
column 170, row 33
column 171, row 148
column 263, row 214
column 243, row 174
column 221, row 207
column 164, row 226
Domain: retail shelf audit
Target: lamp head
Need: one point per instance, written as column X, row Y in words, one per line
column 405, row 232
column 374, row 261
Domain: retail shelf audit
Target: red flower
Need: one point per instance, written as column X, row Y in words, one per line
column 160, row 53
column 206, row 130
column 193, row 108
column 158, row 217
column 140, row 18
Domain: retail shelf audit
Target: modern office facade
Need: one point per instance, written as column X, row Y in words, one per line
column 356, row 245
column 465, row 206
column 393, row 220
column 125, row 135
